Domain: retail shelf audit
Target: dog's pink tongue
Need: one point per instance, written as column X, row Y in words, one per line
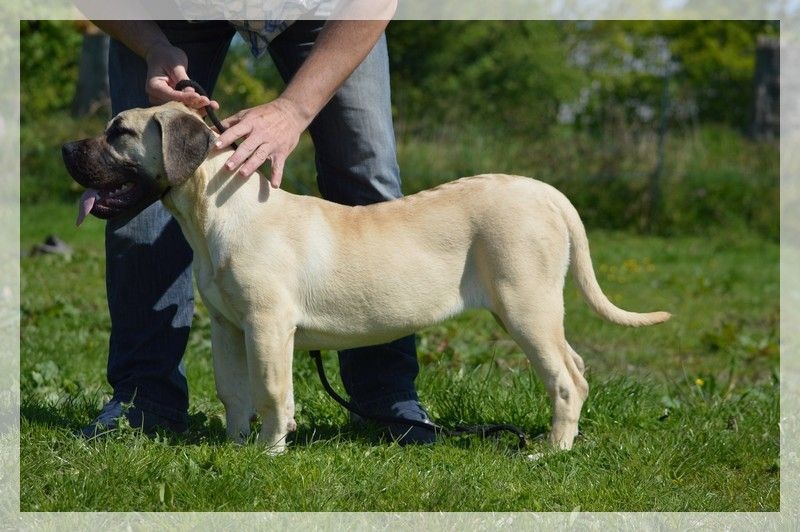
column 85, row 204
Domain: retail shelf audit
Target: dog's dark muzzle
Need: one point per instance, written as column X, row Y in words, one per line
column 76, row 156
column 114, row 187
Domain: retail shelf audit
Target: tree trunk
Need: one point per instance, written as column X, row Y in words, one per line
column 91, row 93
column 766, row 105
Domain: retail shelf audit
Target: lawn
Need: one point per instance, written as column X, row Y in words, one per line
column 681, row 417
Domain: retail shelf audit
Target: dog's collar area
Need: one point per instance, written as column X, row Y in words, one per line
column 479, row 430
column 209, row 110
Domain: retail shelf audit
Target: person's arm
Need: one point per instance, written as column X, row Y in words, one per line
column 166, row 64
column 272, row 130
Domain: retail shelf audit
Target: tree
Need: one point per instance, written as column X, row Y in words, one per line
column 483, row 71
column 713, row 59
column 48, row 66
column 91, row 92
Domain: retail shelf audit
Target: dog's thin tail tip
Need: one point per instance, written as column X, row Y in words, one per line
column 652, row 318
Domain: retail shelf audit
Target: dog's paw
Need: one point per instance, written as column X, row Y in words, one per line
column 272, row 438
column 277, row 449
column 291, row 426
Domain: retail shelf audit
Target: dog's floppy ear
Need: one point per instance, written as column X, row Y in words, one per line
column 185, row 142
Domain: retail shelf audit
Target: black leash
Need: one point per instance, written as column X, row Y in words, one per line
column 209, row 110
column 480, row 430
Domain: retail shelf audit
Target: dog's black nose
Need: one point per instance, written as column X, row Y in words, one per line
column 67, row 150
column 71, row 155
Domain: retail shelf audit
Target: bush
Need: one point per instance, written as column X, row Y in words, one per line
column 713, row 178
column 49, row 54
column 481, row 72
column 471, row 98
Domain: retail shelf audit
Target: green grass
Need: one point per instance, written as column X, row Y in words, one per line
column 681, row 417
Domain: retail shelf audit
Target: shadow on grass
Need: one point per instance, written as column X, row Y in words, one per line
column 67, row 414
column 72, row 414
column 373, row 434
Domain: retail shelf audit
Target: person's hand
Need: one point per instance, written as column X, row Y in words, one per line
column 166, row 66
column 270, row 131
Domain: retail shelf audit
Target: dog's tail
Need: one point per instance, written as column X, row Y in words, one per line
column 583, row 272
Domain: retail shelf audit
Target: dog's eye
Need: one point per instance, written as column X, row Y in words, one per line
column 116, row 131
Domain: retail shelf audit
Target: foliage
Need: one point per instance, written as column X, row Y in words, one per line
column 488, row 96
column 714, row 178
column 710, row 66
column 49, row 54
column 246, row 81
column 717, row 59
column 513, row 75
column 501, row 74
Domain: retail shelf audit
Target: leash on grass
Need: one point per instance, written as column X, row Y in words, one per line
column 461, row 430
column 480, row 430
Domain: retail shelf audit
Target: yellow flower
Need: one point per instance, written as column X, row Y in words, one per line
column 700, row 382
column 631, row 265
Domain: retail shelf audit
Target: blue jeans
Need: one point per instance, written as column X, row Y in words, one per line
column 148, row 262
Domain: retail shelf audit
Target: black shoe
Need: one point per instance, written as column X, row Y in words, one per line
column 108, row 420
column 402, row 433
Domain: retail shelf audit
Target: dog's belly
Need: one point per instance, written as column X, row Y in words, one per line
column 371, row 319
column 344, row 332
column 306, row 339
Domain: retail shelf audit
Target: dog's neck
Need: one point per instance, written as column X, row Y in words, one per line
column 204, row 201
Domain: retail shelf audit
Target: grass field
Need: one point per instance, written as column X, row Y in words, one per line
column 680, row 417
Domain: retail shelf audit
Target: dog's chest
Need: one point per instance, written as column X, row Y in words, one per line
column 211, row 287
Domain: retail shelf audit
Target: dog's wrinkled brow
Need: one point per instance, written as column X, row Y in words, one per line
column 117, row 129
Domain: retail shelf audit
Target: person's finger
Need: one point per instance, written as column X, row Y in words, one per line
column 242, row 153
column 231, row 120
column 177, row 73
column 231, row 134
column 160, row 92
column 276, row 175
column 192, row 98
column 255, row 160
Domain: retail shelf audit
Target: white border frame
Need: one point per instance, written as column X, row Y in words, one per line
column 788, row 11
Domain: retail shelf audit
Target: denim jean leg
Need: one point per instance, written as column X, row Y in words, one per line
column 357, row 165
column 148, row 262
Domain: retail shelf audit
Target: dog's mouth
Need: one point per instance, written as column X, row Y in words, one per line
column 109, row 201
column 114, row 186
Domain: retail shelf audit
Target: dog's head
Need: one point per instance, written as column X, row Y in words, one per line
column 142, row 153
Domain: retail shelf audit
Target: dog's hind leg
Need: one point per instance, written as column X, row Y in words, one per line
column 269, row 359
column 231, row 377
column 537, row 326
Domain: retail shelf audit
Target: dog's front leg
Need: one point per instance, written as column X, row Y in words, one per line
column 270, row 345
column 231, row 376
